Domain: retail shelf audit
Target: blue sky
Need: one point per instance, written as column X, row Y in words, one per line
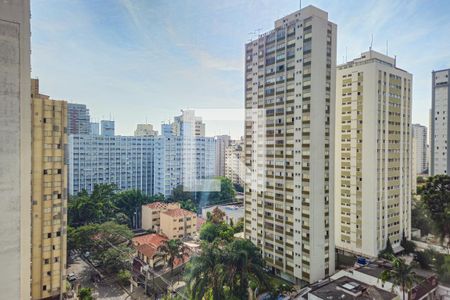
column 145, row 60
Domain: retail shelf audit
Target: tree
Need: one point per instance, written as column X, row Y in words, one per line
column 124, row 277
column 226, row 271
column 225, row 195
column 388, row 251
column 189, row 205
column 244, row 264
column 408, row 246
column 239, row 227
column 172, row 250
column 212, row 231
column 205, row 274
column 85, row 293
column 420, row 218
column 436, row 196
column 179, row 194
column 130, row 202
column 400, row 275
column 217, row 216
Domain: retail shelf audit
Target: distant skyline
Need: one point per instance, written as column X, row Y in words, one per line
column 144, row 61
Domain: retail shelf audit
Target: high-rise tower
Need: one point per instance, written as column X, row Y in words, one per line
column 373, row 154
column 289, row 144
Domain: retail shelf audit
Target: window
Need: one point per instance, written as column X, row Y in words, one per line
column 44, row 287
column 46, row 261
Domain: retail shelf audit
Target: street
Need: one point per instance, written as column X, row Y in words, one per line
column 106, row 289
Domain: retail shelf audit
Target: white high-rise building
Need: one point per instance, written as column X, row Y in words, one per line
column 15, row 149
column 222, row 142
column 289, row 144
column 188, row 124
column 419, row 148
column 235, row 162
column 373, row 154
column 439, row 160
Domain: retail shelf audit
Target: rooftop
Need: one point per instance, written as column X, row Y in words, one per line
column 348, row 288
column 179, row 212
column 152, row 239
column 161, row 205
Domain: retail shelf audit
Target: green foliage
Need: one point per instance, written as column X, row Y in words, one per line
column 226, row 272
column 124, row 277
column 420, row 180
column 408, row 246
column 436, row 197
column 107, row 243
column 225, row 195
column 211, row 232
column 172, row 250
column 401, row 275
column 97, row 208
column 239, row 227
column 189, row 205
column 388, row 251
column 180, row 195
column 420, row 218
column 425, row 259
column 129, row 203
column 85, row 293
column 238, row 188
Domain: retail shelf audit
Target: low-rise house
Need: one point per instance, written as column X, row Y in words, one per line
column 147, row 249
column 178, row 223
column 151, row 214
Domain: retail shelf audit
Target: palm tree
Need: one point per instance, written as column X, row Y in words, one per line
column 401, row 275
column 205, row 274
column 171, row 250
column 244, row 263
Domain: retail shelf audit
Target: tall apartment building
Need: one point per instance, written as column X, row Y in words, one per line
column 15, row 149
column 222, row 142
column 126, row 161
column 289, row 144
column 440, row 97
column 419, row 149
column 95, row 128
column 78, row 119
column 49, row 195
column 145, row 130
column 185, row 161
column 373, row 154
column 235, row 163
column 188, row 124
column 107, row 128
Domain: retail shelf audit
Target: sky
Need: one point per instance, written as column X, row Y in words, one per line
column 139, row 61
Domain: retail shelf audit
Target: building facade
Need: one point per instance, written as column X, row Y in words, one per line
column 373, row 154
column 15, row 149
column 178, row 223
column 78, row 119
column 419, row 149
column 440, row 97
column 289, row 144
column 151, row 214
column 183, row 160
column 188, row 124
column 107, row 128
column 145, row 130
column 222, row 142
column 49, row 195
column 235, row 163
column 126, row 161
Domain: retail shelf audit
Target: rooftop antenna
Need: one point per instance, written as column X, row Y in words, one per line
column 387, row 47
column 371, row 43
column 300, row 4
column 346, row 54
column 395, row 60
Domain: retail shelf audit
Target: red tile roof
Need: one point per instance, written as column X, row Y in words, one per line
column 179, row 212
column 157, row 205
column 152, row 239
column 200, row 222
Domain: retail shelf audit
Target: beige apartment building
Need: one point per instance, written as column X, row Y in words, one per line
column 49, row 195
column 373, row 154
column 289, row 145
column 151, row 214
column 235, row 162
column 178, row 223
column 15, row 150
column 145, row 130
